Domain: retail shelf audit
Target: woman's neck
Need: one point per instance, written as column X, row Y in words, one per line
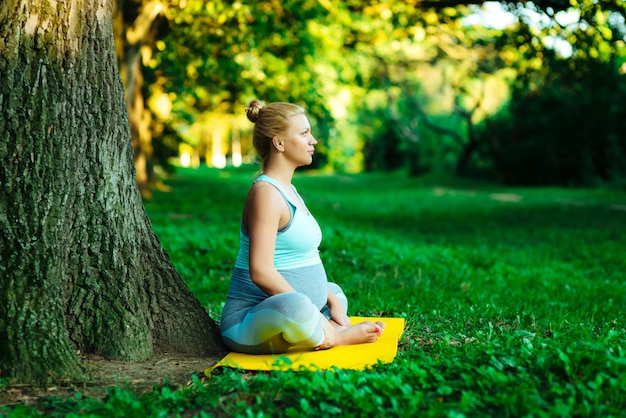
column 282, row 176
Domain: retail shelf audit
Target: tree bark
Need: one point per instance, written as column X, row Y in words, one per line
column 80, row 268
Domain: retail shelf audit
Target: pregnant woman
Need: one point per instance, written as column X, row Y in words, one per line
column 279, row 296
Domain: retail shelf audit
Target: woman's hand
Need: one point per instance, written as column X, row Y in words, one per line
column 339, row 316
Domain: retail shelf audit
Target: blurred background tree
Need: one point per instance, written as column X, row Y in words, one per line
column 563, row 123
column 137, row 26
column 525, row 93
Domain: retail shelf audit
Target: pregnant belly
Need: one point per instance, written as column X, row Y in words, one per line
column 311, row 281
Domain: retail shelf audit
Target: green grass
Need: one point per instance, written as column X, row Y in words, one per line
column 514, row 298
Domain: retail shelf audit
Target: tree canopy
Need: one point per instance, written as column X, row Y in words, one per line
column 420, row 84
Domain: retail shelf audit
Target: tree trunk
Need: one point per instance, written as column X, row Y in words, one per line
column 80, row 268
column 471, row 145
column 134, row 29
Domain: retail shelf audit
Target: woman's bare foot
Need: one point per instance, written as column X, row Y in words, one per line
column 361, row 333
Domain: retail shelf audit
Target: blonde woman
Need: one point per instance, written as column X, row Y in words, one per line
column 279, row 296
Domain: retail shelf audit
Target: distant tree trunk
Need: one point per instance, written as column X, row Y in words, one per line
column 80, row 268
column 135, row 27
column 469, row 148
column 471, row 144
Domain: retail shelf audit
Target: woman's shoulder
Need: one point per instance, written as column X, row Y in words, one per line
column 265, row 179
column 264, row 204
column 263, row 192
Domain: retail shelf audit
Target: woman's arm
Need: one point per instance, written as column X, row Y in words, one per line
column 337, row 313
column 265, row 212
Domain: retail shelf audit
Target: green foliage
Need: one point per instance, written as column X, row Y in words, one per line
column 564, row 123
column 567, row 130
column 513, row 299
column 216, row 57
column 392, row 86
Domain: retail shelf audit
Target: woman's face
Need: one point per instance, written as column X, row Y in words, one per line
column 298, row 142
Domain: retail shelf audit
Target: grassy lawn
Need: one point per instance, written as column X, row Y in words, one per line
column 514, row 298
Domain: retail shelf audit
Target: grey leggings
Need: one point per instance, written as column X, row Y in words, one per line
column 280, row 322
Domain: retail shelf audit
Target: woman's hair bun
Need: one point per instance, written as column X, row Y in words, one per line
column 254, row 109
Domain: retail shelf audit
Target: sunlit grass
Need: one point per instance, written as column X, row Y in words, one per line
column 513, row 298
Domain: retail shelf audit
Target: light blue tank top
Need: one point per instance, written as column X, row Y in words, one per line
column 297, row 242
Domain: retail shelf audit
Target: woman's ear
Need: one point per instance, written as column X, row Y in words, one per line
column 278, row 144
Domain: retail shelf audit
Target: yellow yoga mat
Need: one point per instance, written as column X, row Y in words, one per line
column 356, row 357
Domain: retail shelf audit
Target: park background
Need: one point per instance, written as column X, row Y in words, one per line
column 469, row 178
column 527, row 93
